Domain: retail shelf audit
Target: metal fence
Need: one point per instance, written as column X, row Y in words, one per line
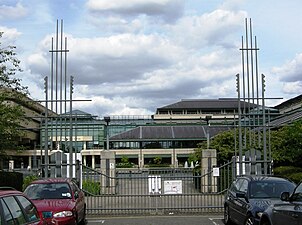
column 156, row 191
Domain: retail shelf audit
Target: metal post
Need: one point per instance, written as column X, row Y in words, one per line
column 264, row 125
column 46, row 129
column 107, row 120
column 70, row 130
column 239, row 125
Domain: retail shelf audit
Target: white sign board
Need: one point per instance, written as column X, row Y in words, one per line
column 154, row 184
column 173, row 187
column 216, row 172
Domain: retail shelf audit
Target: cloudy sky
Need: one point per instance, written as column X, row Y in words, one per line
column 131, row 57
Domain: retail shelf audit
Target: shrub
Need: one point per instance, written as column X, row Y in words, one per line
column 27, row 180
column 286, row 170
column 125, row 165
column 92, row 187
column 295, row 177
column 290, row 172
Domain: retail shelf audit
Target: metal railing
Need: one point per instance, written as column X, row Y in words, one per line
column 155, row 191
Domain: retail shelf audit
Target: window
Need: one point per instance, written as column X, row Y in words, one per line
column 244, row 186
column 29, row 208
column 12, row 211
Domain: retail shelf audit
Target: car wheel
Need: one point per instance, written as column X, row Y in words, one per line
column 265, row 221
column 249, row 220
column 226, row 216
column 83, row 221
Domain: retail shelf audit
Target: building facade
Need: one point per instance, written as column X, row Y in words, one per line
column 172, row 133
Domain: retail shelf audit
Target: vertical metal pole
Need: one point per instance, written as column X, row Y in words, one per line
column 269, row 145
column 46, row 129
column 248, row 84
column 70, row 130
column 243, row 85
column 264, row 125
column 253, row 88
column 61, row 84
column 57, row 59
column 65, row 92
column 51, row 90
column 239, row 125
column 107, row 136
column 258, row 109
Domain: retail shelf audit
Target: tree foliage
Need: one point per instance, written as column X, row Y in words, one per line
column 287, row 144
column 11, row 92
column 224, row 143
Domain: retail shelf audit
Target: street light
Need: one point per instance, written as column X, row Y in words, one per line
column 207, row 119
column 107, row 120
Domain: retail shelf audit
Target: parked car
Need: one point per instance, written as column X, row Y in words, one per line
column 15, row 208
column 58, row 200
column 287, row 211
column 249, row 196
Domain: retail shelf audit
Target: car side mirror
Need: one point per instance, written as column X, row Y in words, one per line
column 240, row 195
column 284, row 196
column 76, row 195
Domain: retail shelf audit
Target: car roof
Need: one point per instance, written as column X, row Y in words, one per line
column 264, row 178
column 7, row 192
column 52, row 180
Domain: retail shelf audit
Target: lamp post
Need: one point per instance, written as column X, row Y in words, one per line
column 107, row 120
column 207, row 119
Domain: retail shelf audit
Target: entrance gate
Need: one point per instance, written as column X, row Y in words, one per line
column 156, row 191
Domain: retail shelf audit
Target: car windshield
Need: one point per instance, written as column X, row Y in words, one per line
column 266, row 189
column 297, row 196
column 48, row 191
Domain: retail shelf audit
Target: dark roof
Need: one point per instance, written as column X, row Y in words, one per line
column 289, row 102
column 286, row 118
column 169, row 133
column 221, row 103
column 77, row 112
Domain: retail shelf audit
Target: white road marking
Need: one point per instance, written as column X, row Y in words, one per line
column 212, row 219
column 97, row 221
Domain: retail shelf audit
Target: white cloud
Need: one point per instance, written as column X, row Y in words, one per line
column 130, row 57
column 202, row 31
column 233, row 5
column 168, row 10
column 290, row 71
column 8, row 12
column 293, row 88
column 119, row 70
column 10, row 35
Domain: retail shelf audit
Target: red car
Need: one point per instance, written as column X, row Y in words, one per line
column 58, row 200
column 15, row 208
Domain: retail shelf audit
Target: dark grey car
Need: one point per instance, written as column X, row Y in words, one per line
column 286, row 211
column 249, row 196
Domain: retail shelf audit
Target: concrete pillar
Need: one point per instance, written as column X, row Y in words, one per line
column 208, row 161
column 107, row 180
column 29, row 162
column 93, row 161
column 11, row 165
column 85, row 160
column 141, row 160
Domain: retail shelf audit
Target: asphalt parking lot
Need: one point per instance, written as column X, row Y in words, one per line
column 158, row 220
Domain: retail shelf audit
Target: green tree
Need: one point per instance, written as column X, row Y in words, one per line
column 223, row 142
column 286, row 144
column 157, row 160
column 12, row 95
